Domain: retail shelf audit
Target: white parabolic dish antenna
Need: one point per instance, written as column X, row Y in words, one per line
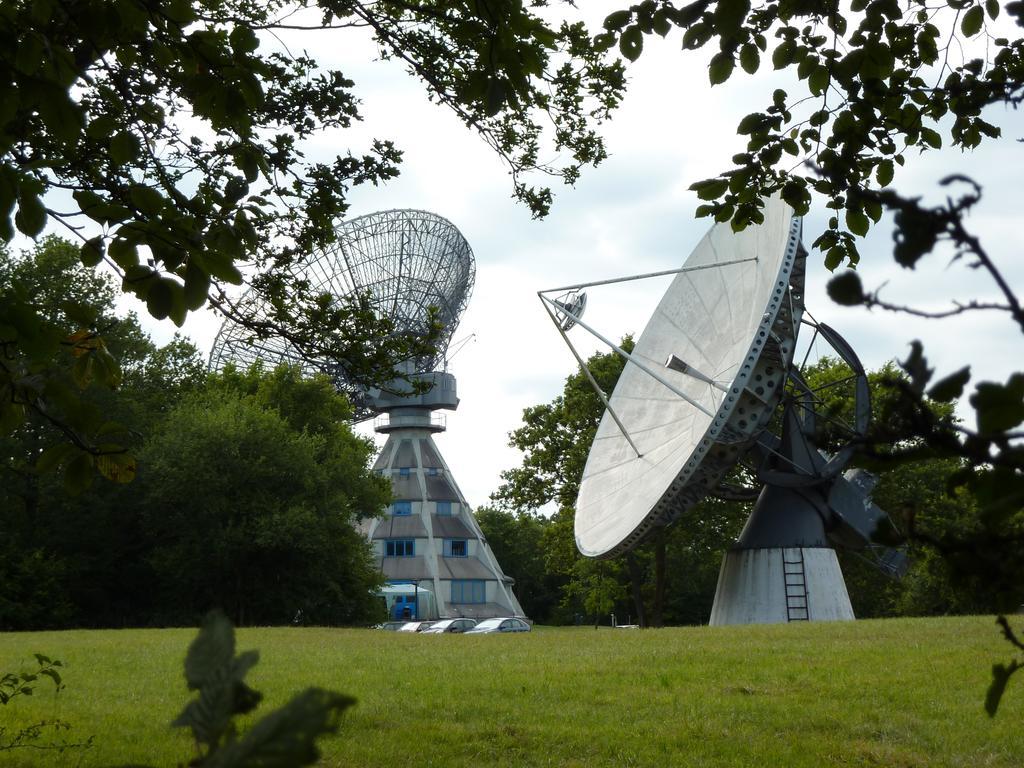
column 722, row 337
column 406, row 261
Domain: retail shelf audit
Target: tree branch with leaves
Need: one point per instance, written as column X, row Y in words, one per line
column 169, row 138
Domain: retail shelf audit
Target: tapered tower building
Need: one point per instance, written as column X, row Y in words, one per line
column 429, row 546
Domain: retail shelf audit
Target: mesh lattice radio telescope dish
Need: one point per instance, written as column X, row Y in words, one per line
column 406, row 260
column 723, row 337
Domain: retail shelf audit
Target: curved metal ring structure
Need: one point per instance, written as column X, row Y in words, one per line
column 727, row 327
column 407, row 261
column 804, row 395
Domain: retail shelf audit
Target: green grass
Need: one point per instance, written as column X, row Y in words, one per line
column 886, row 693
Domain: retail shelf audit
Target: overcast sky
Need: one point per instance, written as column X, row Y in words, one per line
column 633, row 214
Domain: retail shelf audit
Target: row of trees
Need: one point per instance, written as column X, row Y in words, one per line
column 671, row 578
column 243, row 494
column 248, row 485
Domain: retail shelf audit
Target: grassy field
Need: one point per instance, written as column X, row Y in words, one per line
column 888, row 693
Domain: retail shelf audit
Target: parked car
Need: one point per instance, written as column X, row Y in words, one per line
column 450, row 625
column 487, row 626
column 391, row 626
column 415, row 626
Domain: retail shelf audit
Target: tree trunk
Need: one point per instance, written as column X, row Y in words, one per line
column 658, row 619
column 636, row 580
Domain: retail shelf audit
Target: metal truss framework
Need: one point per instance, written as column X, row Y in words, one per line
column 407, row 261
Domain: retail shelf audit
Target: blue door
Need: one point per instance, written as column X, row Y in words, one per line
column 404, row 608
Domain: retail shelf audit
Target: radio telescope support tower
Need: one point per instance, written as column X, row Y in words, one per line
column 431, row 549
column 412, row 264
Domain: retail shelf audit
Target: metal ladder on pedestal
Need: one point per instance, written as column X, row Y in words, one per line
column 795, row 577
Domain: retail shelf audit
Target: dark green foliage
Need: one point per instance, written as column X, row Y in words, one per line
column 518, row 541
column 695, row 547
column 846, row 288
column 985, row 549
column 59, row 341
column 51, row 540
column 35, row 569
column 249, row 485
column 34, row 582
column 919, row 497
column 956, row 494
column 234, row 507
column 13, row 684
column 270, row 537
column 69, row 411
column 283, row 739
column 868, row 97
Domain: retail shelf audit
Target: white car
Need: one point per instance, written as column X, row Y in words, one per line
column 415, row 626
column 488, row 626
column 450, row 625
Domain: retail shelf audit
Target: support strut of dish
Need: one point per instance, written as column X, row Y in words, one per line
column 566, row 310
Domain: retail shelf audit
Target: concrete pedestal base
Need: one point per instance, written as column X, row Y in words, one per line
column 770, row 586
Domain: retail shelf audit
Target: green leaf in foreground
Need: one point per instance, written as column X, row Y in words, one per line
column 1001, row 673
column 92, row 251
column 31, row 216
column 213, row 649
column 884, row 173
column 709, row 189
column 721, row 67
column 999, row 407
column 287, row 737
column 857, row 221
column 846, row 289
column 949, row 388
column 750, row 58
column 631, row 44
column 971, row 23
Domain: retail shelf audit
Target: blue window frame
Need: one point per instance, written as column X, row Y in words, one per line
column 401, row 508
column 403, row 471
column 444, row 508
column 400, row 547
column 433, row 471
column 456, row 548
column 469, row 591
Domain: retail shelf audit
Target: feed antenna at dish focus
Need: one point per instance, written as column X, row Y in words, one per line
column 711, row 372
